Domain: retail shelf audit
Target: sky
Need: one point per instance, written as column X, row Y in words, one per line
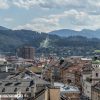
column 49, row 15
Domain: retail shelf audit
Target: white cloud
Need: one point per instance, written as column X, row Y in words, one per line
column 62, row 3
column 8, row 19
column 26, row 3
column 49, row 3
column 84, row 5
column 41, row 24
column 4, row 4
column 71, row 19
column 76, row 14
column 81, row 5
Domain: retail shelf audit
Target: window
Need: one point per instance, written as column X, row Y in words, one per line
column 15, row 90
column 3, row 90
column 18, row 83
column 96, row 74
column 27, row 89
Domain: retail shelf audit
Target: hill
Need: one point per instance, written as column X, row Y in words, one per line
column 85, row 32
column 3, row 28
column 10, row 40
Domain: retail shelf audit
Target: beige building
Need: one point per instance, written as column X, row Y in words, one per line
column 53, row 94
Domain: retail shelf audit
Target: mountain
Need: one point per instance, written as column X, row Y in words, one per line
column 85, row 32
column 3, row 28
column 10, row 40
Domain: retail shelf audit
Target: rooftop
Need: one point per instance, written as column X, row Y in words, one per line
column 67, row 88
column 13, row 86
column 3, row 75
column 35, row 69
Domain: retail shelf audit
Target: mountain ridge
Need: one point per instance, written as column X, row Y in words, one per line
column 85, row 32
column 66, row 32
column 4, row 28
column 10, row 40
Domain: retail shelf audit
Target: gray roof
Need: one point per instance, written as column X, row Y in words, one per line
column 21, row 81
column 3, row 75
column 12, row 86
column 16, row 83
column 13, row 90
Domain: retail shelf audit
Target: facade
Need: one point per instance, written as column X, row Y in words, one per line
column 86, row 80
column 95, row 72
column 69, row 78
column 96, row 91
column 53, row 93
column 7, row 69
column 26, row 52
column 87, row 89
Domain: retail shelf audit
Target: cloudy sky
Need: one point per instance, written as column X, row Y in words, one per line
column 48, row 15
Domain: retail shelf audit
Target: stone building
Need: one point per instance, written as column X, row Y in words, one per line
column 96, row 91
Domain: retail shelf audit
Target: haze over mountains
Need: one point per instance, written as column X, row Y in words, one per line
column 3, row 28
column 68, row 32
column 85, row 32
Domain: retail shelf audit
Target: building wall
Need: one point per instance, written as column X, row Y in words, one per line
column 69, row 76
column 85, row 76
column 95, row 73
column 73, row 96
column 95, row 93
column 54, row 94
column 47, row 74
column 86, row 86
column 78, row 80
column 87, row 89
